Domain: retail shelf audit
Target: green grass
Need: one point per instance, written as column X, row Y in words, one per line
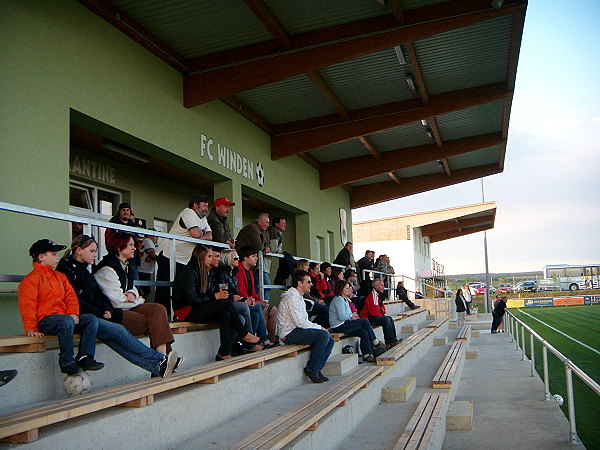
column 581, row 323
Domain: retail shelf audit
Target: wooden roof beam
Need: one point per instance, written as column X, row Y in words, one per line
column 301, row 141
column 270, row 21
column 395, row 178
column 370, row 194
column 455, row 224
column 318, row 80
column 455, row 234
column 241, row 108
column 360, row 167
column 213, row 84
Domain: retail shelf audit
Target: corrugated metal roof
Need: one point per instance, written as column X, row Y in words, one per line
column 373, row 79
column 408, row 135
column 197, row 27
column 307, row 15
column 422, row 169
column 287, row 100
column 341, row 150
column 481, row 119
column 466, row 57
column 475, row 158
column 412, row 4
column 377, row 179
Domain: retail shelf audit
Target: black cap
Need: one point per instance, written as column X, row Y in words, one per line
column 43, row 246
column 124, row 205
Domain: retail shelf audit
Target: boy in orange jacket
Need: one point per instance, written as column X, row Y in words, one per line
column 49, row 305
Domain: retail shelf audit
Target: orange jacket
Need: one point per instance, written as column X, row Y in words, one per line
column 44, row 292
column 373, row 306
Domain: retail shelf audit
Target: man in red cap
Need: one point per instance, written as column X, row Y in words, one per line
column 217, row 220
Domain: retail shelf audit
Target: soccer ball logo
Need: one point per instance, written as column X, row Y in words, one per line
column 558, row 399
column 77, row 384
column 260, row 174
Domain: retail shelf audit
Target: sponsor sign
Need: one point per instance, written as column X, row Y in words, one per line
column 515, row 303
column 591, row 300
column 568, row 301
column 537, row 302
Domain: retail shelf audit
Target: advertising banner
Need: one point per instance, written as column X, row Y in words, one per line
column 514, row 303
column 591, row 300
column 536, row 302
column 568, row 301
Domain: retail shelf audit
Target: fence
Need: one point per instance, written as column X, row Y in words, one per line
column 513, row 326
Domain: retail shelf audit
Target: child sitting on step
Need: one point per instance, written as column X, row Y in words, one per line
column 49, row 305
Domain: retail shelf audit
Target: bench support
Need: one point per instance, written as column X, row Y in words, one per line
column 139, row 402
column 22, row 438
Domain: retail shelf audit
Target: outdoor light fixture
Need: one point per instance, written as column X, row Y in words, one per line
column 410, row 81
column 429, row 133
column 400, row 54
column 424, row 122
column 126, row 151
column 497, row 4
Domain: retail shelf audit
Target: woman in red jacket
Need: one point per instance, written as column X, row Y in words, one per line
column 374, row 310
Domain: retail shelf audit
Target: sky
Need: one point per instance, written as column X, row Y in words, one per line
column 548, row 197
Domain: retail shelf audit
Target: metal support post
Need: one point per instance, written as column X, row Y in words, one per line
column 261, row 262
column 172, row 266
column 532, row 357
column 573, row 438
column 516, row 337
column 546, row 379
column 522, row 342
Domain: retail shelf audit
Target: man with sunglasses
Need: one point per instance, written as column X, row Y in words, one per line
column 295, row 327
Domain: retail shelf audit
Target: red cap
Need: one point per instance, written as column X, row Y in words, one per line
column 223, row 201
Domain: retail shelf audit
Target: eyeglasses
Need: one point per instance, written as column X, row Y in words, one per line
column 236, row 258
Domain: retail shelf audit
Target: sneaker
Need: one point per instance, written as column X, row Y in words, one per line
column 178, row 363
column 6, row 376
column 314, row 377
column 369, row 359
column 323, row 377
column 381, row 346
column 87, row 362
column 72, row 369
column 166, row 366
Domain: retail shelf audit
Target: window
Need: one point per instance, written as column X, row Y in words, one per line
column 574, row 271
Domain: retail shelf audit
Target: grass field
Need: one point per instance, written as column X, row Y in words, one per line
column 583, row 324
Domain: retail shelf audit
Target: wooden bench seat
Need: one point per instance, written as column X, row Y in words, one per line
column 389, row 358
column 286, row 428
column 464, row 334
column 439, row 322
column 412, row 312
column 22, row 426
column 426, row 427
column 450, row 366
column 337, row 336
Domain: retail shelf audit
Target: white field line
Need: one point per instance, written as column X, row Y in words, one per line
column 558, row 331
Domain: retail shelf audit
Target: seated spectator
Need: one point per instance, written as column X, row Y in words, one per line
column 48, row 305
column 351, row 277
column 418, row 294
column 224, row 267
column 295, row 328
column 302, row 264
column 374, row 310
column 345, row 257
column 315, row 305
column 124, row 216
column 74, row 264
column 196, row 298
column 402, row 295
column 319, row 285
column 343, row 320
column 247, row 289
column 129, row 308
column 147, row 262
column 327, row 274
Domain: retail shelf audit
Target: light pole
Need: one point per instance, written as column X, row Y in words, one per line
column 488, row 306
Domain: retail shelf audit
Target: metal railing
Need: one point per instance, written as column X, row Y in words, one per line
column 512, row 327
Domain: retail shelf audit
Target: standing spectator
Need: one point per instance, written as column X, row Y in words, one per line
column 402, row 295
column 217, row 219
column 48, row 305
column 365, row 263
column 383, row 265
column 124, row 216
column 374, row 310
column 498, row 314
column 345, row 257
column 468, row 297
column 461, row 306
column 343, row 320
column 147, row 262
column 295, row 328
column 255, row 235
column 191, row 222
column 275, row 231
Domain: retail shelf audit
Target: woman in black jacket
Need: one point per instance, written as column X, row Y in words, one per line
column 461, row 307
column 197, row 299
column 74, row 265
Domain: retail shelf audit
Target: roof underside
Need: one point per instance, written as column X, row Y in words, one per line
column 386, row 98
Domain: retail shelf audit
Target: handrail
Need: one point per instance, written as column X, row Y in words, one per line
column 570, row 367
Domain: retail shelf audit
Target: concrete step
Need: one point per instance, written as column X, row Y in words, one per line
column 341, row 364
column 460, row 416
column 398, row 389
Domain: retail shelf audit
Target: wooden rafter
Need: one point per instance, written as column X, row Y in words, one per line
column 395, row 178
column 302, row 141
column 370, row 194
column 328, row 93
column 361, row 167
column 223, row 81
column 271, row 23
column 241, row 108
column 370, row 146
column 455, row 234
column 455, row 224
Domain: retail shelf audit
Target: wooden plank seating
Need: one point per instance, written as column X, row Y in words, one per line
column 286, row 428
column 22, row 426
column 464, row 334
column 424, row 423
column 389, row 358
column 439, row 322
column 337, row 336
column 445, row 375
column 412, row 312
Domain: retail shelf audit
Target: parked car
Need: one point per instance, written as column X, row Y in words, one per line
column 529, row 286
column 518, row 287
column 505, row 288
column 547, row 284
column 480, row 289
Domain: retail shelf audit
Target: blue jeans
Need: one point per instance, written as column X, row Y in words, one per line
column 243, row 311
column 360, row 328
column 266, row 281
column 258, row 322
column 389, row 329
column 63, row 326
column 121, row 341
column 321, row 341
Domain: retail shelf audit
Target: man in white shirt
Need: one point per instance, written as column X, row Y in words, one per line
column 191, row 222
column 468, row 297
column 295, row 328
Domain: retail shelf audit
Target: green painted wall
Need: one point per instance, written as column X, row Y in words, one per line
column 58, row 57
